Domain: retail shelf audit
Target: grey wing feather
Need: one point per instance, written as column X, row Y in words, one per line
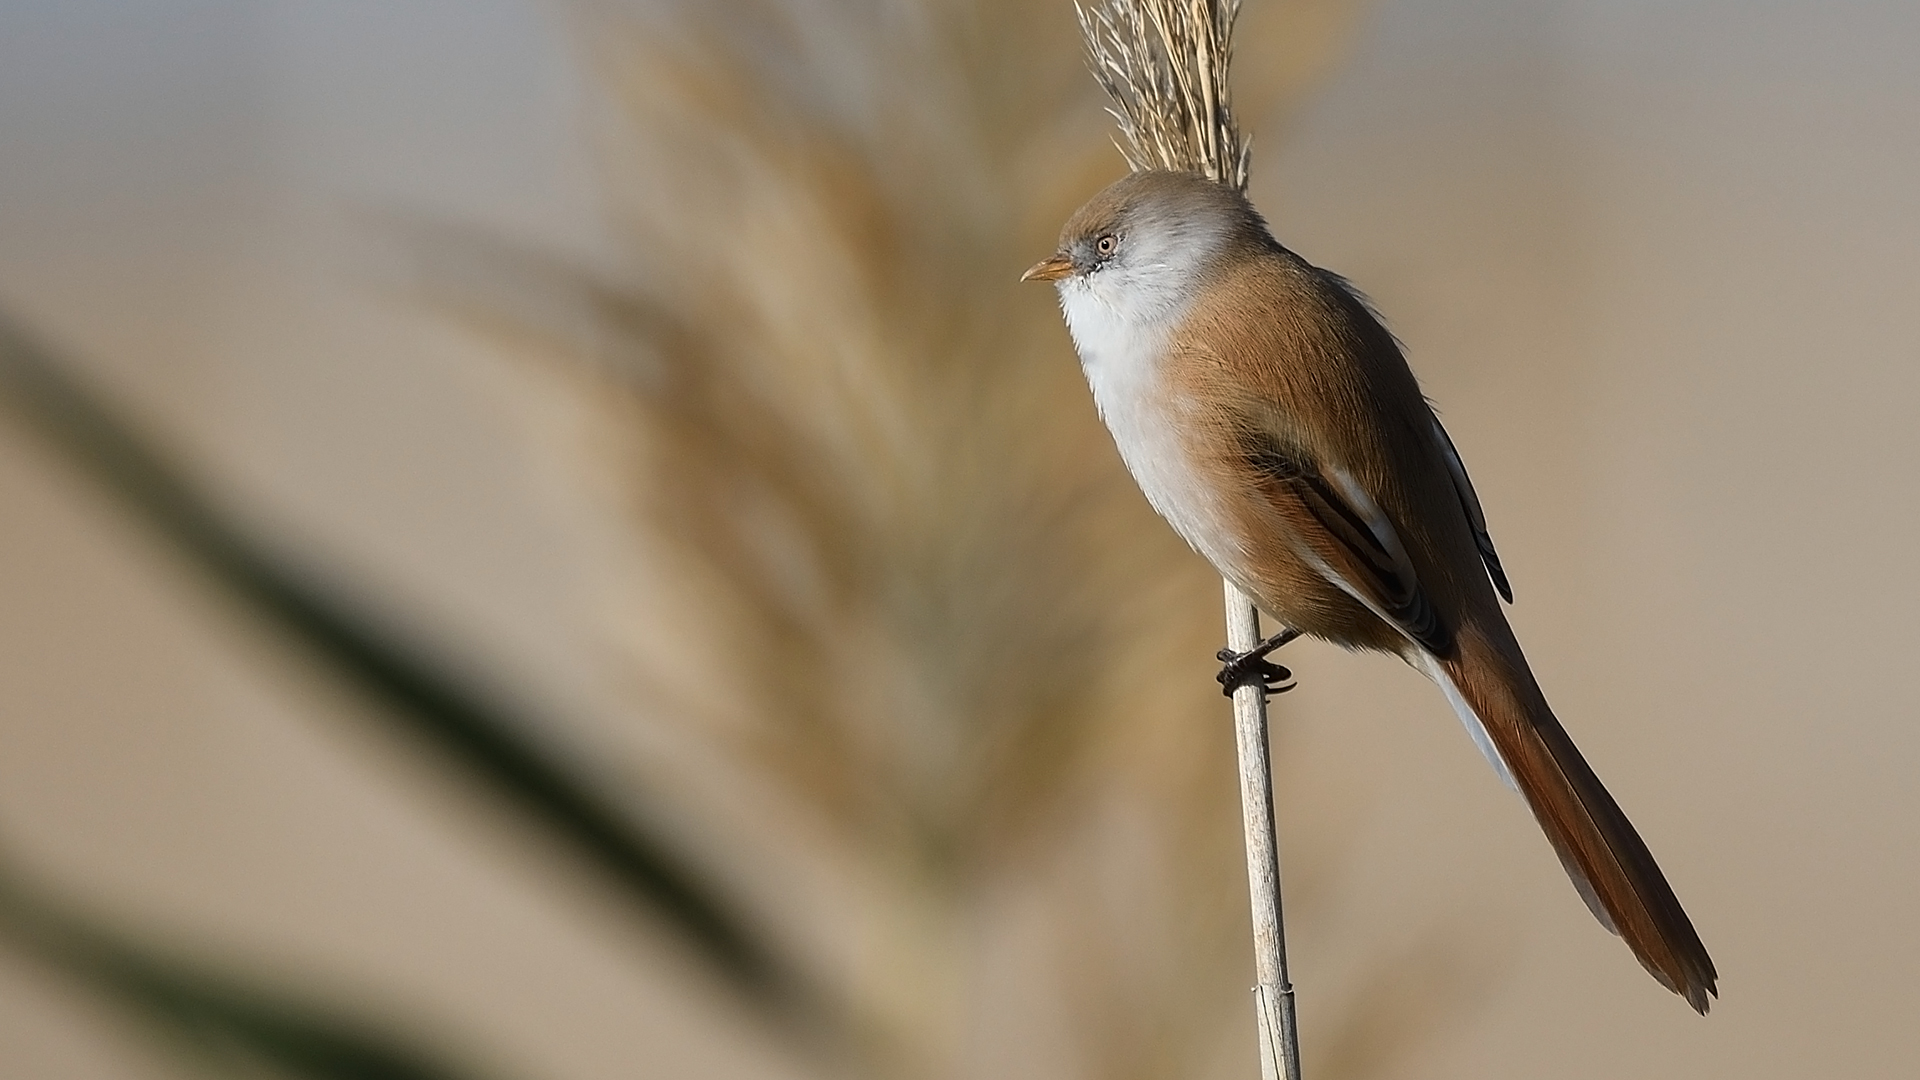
column 1476, row 518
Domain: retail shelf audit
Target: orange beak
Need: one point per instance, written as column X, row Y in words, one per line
column 1052, row 268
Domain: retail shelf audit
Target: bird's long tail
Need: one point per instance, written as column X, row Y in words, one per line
column 1608, row 862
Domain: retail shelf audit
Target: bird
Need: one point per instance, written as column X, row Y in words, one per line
column 1270, row 417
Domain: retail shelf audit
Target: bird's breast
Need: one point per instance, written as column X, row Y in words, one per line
column 1153, row 425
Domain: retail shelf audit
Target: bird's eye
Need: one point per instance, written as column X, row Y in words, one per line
column 1106, row 244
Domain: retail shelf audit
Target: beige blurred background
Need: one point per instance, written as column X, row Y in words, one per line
column 1655, row 263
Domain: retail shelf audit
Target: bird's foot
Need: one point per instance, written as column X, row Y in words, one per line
column 1252, row 668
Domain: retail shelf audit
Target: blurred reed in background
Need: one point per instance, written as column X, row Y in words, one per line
column 937, row 680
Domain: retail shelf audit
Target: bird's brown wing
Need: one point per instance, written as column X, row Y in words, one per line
column 1340, row 530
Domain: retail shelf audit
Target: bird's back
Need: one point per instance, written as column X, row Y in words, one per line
column 1296, row 364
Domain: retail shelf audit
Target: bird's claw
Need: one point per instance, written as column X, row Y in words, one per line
column 1252, row 668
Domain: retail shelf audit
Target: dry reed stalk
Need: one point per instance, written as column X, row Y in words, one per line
column 1164, row 65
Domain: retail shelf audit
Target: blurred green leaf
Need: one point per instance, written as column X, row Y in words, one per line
column 211, row 1014
column 482, row 735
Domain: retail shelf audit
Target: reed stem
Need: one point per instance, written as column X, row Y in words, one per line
column 1272, row 991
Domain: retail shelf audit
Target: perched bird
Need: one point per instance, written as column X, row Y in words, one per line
column 1272, row 420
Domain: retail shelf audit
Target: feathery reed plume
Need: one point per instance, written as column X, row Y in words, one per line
column 1163, row 64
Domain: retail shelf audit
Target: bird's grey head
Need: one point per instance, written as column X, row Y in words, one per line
column 1147, row 243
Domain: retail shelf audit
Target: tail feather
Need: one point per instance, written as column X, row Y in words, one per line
column 1608, row 862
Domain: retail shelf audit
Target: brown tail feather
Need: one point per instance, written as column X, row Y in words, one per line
column 1608, row 862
